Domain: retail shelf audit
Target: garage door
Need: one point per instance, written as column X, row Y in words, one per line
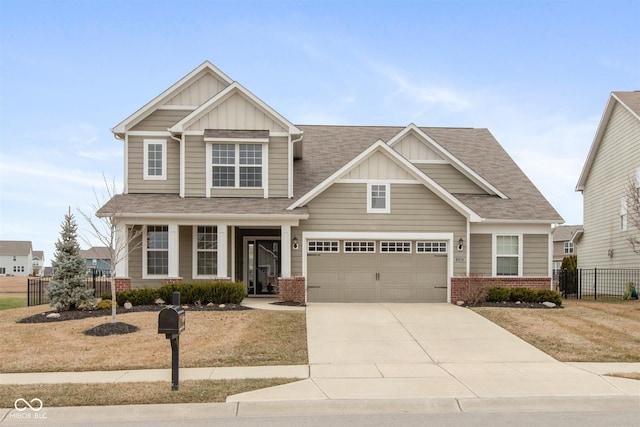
column 376, row 271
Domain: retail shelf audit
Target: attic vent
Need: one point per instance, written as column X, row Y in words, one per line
column 235, row 134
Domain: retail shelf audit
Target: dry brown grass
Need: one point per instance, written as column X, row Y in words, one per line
column 581, row 331
column 13, row 286
column 201, row 391
column 227, row 338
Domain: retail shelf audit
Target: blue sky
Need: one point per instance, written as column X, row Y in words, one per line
column 537, row 74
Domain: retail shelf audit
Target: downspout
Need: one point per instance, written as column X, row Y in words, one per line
column 125, row 186
column 181, row 141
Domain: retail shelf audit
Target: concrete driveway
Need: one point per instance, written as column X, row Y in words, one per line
column 425, row 351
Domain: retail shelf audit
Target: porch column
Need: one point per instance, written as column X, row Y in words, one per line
column 285, row 251
column 174, row 251
column 121, row 245
column 223, row 248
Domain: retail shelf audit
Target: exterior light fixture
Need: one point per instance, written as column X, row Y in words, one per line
column 295, row 243
column 460, row 244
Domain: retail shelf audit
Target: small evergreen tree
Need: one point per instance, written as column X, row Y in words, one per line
column 67, row 290
column 570, row 262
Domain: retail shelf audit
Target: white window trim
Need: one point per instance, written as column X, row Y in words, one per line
column 387, row 203
column 494, row 258
column 145, row 171
column 236, row 166
column 195, row 250
column 145, row 250
column 624, row 210
column 568, row 248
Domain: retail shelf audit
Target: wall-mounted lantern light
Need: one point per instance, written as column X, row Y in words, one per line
column 295, row 243
column 460, row 244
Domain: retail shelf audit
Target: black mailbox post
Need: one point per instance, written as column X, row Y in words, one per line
column 171, row 322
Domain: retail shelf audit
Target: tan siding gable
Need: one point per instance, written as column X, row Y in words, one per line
column 199, row 91
column 237, row 112
column 160, row 120
column 413, row 148
column 378, row 166
column 450, row 178
column 617, row 158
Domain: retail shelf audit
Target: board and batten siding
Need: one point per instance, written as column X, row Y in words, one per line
column 414, row 208
column 450, row 178
column 378, row 166
column 135, row 168
column 236, row 112
column 413, row 149
column 535, row 253
column 198, row 92
column 617, row 159
column 160, row 120
column 480, row 252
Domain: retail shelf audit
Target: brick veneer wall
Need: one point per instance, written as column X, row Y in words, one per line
column 122, row 283
column 292, row 289
column 463, row 287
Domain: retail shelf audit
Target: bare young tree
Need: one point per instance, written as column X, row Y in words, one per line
column 632, row 195
column 105, row 229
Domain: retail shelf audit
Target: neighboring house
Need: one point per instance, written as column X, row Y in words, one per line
column 222, row 186
column 564, row 244
column 98, row 258
column 16, row 258
column 38, row 263
column 614, row 159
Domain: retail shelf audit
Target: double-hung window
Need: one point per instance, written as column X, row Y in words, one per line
column 507, row 255
column 568, row 247
column 237, row 165
column 378, row 198
column 157, row 248
column 206, row 248
column 155, row 159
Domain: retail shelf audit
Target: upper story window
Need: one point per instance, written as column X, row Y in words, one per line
column 378, row 198
column 568, row 247
column 507, row 255
column 237, row 165
column 623, row 214
column 155, row 159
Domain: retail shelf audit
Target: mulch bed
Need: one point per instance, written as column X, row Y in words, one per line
column 509, row 304
column 84, row 314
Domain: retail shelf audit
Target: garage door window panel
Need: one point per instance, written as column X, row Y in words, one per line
column 360, row 246
column 431, row 247
column 319, row 246
column 395, row 247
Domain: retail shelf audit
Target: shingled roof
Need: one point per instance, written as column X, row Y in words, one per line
column 328, row 148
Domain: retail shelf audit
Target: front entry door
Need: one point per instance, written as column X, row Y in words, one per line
column 263, row 266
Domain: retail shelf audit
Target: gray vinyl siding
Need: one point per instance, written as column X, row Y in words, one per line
column 278, row 167
column 135, row 168
column 449, row 178
column 160, row 120
column 535, row 252
column 195, row 166
column 617, row 159
column 343, row 207
column 480, row 251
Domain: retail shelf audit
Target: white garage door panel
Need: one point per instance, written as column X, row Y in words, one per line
column 381, row 277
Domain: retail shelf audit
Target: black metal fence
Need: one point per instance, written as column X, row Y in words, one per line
column 597, row 283
column 37, row 287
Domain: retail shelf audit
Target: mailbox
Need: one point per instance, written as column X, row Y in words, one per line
column 171, row 320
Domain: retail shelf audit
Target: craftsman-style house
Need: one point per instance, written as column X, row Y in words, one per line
column 221, row 186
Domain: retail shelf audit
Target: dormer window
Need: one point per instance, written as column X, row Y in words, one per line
column 237, row 165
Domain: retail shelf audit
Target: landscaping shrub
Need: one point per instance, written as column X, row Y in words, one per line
column 144, row 296
column 498, row 294
column 205, row 292
column 501, row 294
column 104, row 304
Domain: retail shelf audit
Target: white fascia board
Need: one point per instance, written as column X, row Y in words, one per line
column 402, row 162
column 522, row 221
column 247, row 140
column 217, row 99
column 376, row 235
column 121, row 127
column 457, row 163
column 197, row 219
column 506, row 228
column 149, row 133
column 606, row 115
